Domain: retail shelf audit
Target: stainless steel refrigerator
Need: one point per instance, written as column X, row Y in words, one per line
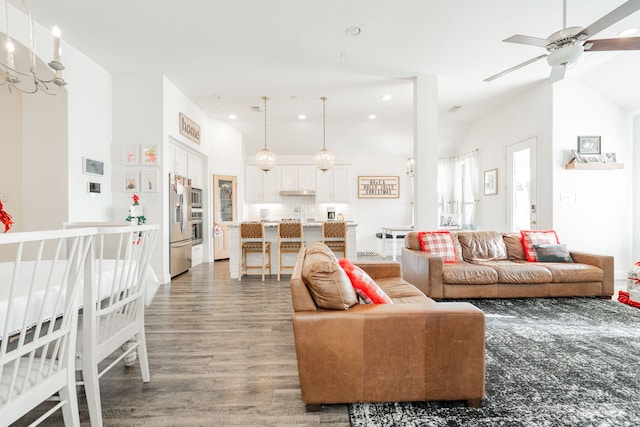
column 179, row 224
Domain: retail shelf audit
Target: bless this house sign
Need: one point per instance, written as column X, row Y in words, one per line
column 378, row 187
column 189, row 128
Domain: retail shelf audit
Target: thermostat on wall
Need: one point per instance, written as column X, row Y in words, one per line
column 94, row 187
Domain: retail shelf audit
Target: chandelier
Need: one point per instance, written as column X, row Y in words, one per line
column 265, row 159
column 324, row 159
column 32, row 83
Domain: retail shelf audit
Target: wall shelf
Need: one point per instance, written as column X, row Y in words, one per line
column 594, row 166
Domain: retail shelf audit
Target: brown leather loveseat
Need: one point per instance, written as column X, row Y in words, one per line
column 412, row 350
column 492, row 264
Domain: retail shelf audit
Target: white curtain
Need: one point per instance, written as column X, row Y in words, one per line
column 458, row 189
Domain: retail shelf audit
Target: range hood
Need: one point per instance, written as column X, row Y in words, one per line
column 298, row 193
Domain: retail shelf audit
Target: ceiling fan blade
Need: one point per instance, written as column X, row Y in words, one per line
column 609, row 19
column 621, row 43
column 528, row 40
column 502, row 73
column 557, row 74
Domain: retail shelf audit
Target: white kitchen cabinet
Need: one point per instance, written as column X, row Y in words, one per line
column 260, row 186
column 181, row 162
column 297, row 178
column 333, row 185
column 194, row 167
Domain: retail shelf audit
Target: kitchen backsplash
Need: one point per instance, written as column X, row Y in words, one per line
column 292, row 209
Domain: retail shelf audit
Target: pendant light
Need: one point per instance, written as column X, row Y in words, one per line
column 324, row 159
column 265, row 159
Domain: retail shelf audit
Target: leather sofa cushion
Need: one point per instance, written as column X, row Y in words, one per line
column 328, row 284
column 482, row 246
column 573, row 273
column 464, row 273
column 520, row 273
column 402, row 291
column 515, row 250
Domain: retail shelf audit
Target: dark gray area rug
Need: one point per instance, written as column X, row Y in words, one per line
column 549, row 362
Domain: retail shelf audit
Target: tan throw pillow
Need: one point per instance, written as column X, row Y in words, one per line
column 514, row 246
column 328, row 284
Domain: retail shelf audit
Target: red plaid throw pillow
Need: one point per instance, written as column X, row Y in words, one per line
column 438, row 243
column 537, row 237
column 364, row 285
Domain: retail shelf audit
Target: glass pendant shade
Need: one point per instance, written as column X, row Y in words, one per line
column 265, row 159
column 324, row 160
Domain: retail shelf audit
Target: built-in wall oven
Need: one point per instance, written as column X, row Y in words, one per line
column 196, row 226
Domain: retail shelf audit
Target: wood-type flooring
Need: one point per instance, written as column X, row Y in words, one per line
column 221, row 353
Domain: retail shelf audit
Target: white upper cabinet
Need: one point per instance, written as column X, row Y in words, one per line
column 297, row 178
column 333, row 185
column 260, row 186
column 194, row 166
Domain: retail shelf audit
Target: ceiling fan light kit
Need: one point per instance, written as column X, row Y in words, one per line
column 566, row 46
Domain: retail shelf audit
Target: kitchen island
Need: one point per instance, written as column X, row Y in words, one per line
column 312, row 233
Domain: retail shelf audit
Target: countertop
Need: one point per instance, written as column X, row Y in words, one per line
column 312, row 224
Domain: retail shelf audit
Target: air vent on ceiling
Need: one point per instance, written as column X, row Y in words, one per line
column 256, row 109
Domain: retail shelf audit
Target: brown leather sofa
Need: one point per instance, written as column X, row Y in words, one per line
column 412, row 350
column 493, row 265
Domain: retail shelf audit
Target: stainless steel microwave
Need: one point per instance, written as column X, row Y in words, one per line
column 196, row 197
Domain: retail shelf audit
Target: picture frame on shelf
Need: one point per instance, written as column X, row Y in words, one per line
column 92, row 167
column 577, row 157
column 149, row 182
column 130, row 155
column 491, row 182
column 591, row 159
column 589, row 144
column 150, row 155
column 131, row 181
column 610, row 158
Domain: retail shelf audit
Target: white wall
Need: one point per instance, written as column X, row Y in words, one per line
column 528, row 115
column 636, row 189
column 11, row 155
column 59, row 132
column 593, row 208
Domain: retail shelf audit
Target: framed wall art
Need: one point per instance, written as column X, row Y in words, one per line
column 131, row 181
column 150, row 155
column 491, row 182
column 589, row 144
column 378, row 187
column 92, row 167
column 149, row 182
column 130, row 155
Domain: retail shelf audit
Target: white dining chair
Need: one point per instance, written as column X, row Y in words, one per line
column 113, row 307
column 40, row 277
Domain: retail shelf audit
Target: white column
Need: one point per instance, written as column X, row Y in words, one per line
column 425, row 149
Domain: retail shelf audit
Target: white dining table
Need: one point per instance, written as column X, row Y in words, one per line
column 394, row 231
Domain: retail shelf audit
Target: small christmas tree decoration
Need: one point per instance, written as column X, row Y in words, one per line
column 5, row 218
column 136, row 215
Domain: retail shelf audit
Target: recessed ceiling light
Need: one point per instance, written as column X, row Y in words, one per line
column 628, row 32
column 353, row 31
column 386, row 97
column 302, row 116
column 372, row 116
column 233, row 116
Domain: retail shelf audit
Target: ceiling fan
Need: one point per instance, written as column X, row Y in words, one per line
column 565, row 47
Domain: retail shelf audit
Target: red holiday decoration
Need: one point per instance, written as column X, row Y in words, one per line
column 5, row 219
